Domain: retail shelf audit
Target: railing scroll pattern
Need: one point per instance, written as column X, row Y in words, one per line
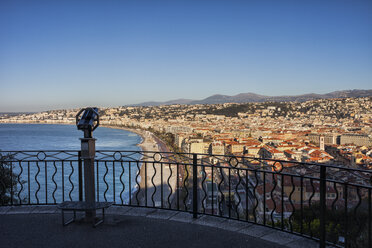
column 324, row 202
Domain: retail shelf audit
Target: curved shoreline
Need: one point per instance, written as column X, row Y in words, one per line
column 147, row 144
column 151, row 144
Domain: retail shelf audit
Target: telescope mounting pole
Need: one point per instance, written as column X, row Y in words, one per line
column 87, row 120
column 88, row 151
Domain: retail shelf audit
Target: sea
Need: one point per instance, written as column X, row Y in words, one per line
column 19, row 137
column 23, row 137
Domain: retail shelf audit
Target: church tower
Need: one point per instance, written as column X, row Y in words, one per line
column 321, row 143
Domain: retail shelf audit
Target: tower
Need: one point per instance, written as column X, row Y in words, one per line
column 321, row 143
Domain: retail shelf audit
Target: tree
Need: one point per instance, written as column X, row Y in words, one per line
column 8, row 181
column 335, row 224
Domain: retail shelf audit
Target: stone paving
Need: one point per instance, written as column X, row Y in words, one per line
column 245, row 234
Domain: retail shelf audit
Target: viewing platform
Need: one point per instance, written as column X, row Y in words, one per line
column 39, row 226
column 186, row 200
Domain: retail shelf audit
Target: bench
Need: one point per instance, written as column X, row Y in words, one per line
column 82, row 206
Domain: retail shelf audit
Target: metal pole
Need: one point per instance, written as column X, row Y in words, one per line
column 80, row 166
column 88, row 152
column 323, row 206
column 369, row 219
column 195, row 186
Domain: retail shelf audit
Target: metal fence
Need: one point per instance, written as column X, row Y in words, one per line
column 327, row 203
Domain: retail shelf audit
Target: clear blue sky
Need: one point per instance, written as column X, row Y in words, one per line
column 64, row 54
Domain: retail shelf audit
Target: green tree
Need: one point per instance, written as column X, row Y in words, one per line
column 8, row 182
column 335, row 224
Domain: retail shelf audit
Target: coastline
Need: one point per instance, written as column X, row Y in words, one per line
column 150, row 144
column 147, row 143
column 145, row 138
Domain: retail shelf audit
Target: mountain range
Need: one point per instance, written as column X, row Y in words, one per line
column 252, row 97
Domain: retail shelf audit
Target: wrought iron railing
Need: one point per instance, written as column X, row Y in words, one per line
column 328, row 203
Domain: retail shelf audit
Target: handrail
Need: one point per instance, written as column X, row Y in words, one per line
column 327, row 203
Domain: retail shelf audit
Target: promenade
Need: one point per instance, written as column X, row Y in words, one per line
column 160, row 176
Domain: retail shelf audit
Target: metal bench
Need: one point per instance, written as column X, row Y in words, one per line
column 82, row 206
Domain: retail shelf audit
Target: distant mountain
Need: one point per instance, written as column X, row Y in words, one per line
column 240, row 98
column 252, row 97
column 15, row 113
column 178, row 101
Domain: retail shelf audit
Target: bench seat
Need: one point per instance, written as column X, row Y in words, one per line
column 82, row 206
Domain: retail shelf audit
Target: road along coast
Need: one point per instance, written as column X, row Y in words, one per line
column 154, row 189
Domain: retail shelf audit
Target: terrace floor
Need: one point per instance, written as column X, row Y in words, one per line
column 40, row 226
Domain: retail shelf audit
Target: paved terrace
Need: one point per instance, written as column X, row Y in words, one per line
column 40, row 226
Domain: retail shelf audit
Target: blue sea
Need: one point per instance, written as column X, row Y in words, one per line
column 21, row 137
column 62, row 137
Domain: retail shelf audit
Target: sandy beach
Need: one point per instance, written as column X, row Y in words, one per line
column 151, row 144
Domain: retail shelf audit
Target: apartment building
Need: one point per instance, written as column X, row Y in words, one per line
column 356, row 139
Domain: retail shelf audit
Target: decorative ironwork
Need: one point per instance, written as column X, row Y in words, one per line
column 117, row 156
column 295, row 197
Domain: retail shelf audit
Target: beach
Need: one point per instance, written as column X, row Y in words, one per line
column 156, row 186
column 150, row 175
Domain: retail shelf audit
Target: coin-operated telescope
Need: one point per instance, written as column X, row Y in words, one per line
column 88, row 121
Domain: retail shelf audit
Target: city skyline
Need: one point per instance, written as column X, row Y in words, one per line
column 69, row 55
column 252, row 162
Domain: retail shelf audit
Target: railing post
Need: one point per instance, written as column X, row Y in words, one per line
column 195, row 186
column 323, row 189
column 11, row 184
column 80, row 168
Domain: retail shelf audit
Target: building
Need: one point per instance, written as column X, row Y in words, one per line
column 356, row 139
column 217, row 148
column 199, row 147
column 329, row 139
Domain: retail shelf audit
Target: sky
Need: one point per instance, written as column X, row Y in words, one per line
column 70, row 54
